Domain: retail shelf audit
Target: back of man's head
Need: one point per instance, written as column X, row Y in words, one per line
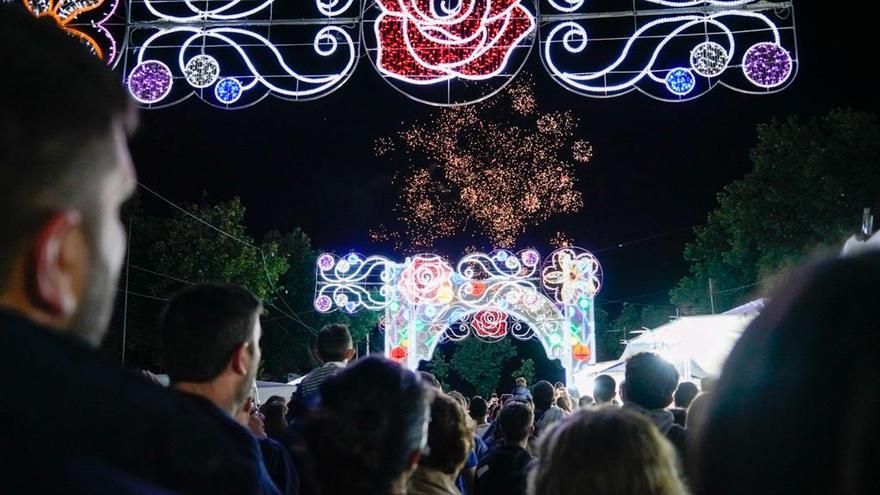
column 544, row 395
column 478, row 408
column 604, row 388
column 650, row 380
column 685, row 394
column 515, row 421
column 203, row 326
column 334, row 343
column 585, row 401
column 61, row 137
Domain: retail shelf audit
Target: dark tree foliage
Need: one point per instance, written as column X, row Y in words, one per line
column 810, row 181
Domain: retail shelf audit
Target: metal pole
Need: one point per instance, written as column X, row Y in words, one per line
column 711, row 296
column 125, row 305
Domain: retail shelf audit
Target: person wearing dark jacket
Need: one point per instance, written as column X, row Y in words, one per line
column 504, row 470
column 647, row 389
column 210, row 336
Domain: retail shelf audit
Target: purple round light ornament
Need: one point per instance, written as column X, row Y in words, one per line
column 325, row 262
column 150, row 81
column 323, row 304
column 767, row 65
column 531, row 258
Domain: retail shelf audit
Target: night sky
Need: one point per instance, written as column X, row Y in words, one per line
column 657, row 166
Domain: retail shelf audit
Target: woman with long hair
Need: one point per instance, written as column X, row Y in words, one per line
column 608, row 451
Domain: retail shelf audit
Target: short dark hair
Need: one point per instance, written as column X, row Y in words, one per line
column 650, row 380
column 515, row 421
column 604, row 388
column 478, row 408
column 202, row 326
column 585, row 401
column 334, row 342
column 543, row 394
column 45, row 140
column 685, row 394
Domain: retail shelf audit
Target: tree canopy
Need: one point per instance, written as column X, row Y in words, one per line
column 811, row 179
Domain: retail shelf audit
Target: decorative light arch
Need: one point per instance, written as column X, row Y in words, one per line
column 234, row 53
column 488, row 296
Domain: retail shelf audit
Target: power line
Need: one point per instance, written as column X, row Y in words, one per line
column 644, row 239
column 272, row 286
column 145, row 296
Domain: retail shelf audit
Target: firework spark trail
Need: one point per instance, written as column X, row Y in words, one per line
column 494, row 168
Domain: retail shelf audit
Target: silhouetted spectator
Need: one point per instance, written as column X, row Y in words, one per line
column 546, row 411
column 504, row 470
column 334, row 349
column 648, row 388
column 697, row 412
column 819, row 334
column 605, row 391
column 465, row 480
column 608, row 451
column 521, row 389
column 585, row 402
column 65, row 172
column 564, row 402
column 450, row 439
column 683, row 396
column 210, row 349
column 478, row 412
column 274, row 417
column 277, row 460
column 369, row 430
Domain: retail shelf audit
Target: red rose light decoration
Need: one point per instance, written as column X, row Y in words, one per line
column 427, row 279
column 490, row 323
column 424, row 41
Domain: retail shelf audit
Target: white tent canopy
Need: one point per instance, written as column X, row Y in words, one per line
column 696, row 345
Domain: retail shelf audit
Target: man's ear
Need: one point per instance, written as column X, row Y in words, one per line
column 317, row 355
column 56, row 263
column 241, row 358
column 348, row 355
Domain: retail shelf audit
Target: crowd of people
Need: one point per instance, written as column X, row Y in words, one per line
column 369, row 426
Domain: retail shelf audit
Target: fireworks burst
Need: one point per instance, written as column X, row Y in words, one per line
column 494, row 168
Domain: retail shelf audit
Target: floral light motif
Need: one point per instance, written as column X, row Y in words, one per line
column 427, row 279
column 471, row 40
column 569, row 275
column 65, row 12
column 490, row 323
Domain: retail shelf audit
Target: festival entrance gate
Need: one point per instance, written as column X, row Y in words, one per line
column 488, row 296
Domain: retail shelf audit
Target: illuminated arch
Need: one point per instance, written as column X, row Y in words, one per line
column 424, row 297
